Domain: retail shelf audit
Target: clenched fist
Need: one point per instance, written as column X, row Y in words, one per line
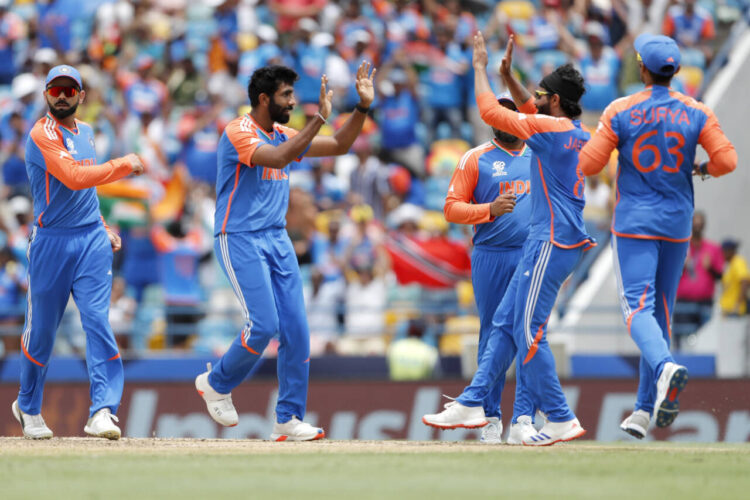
column 503, row 204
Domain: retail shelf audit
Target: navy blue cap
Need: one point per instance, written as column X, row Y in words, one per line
column 659, row 53
column 506, row 97
column 64, row 71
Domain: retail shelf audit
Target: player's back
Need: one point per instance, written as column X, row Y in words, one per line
column 557, row 199
column 658, row 130
column 56, row 205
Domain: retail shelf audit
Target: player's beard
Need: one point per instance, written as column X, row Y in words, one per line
column 279, row 114
column 544, row 109
column 62, row 113
column 504, row 136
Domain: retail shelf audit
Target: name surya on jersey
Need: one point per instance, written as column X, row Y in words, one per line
column 651, row 115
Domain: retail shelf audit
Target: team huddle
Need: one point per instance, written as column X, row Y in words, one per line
column 523, row 191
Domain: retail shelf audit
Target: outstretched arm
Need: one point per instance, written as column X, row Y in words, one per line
column 520, row 95
column 282, row 155
column 343, row 139
column 519, row 124
column 61, row 164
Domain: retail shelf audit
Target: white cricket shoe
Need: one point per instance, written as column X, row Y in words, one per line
column 33, row 425
column 457, row 415
column 555, row 432
column 672, row 381
column 493, row 431
column 220, row 406
column 102, row 425
column 636, row 424
column 296, row 430
column 521, row 430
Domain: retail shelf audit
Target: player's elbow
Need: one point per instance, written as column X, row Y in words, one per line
column 723, row 163
column 448, row 212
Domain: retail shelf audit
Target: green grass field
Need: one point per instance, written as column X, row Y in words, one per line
column 183, row 469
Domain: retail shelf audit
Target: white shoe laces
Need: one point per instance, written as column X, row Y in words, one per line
column 450, row 403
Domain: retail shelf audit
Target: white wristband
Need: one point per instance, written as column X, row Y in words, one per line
column 321, row 117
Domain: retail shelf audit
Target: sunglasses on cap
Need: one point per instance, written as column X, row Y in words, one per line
column 638, row 57
column 541, row 93
column 59, row 89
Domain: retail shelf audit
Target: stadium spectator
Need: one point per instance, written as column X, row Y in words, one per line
column 13, row 286
column 691, row 25
column 399, row 115
column 291, row 12
column 695, row 293
column 735, row 281
column 11, row 30
column 179, row 251
column 411, row 357
column 600, row 66
column 447, row 68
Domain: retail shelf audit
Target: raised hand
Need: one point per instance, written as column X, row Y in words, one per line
column 505, row 64
column 479, row 58
column 364, row 84
column 326, row 98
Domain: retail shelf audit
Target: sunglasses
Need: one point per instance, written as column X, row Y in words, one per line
column 638, row 57
column 57, row 90
column 541, row 93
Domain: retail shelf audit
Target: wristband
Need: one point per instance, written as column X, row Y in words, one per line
column 361, row 109
column 703, row 169
column 321, row 117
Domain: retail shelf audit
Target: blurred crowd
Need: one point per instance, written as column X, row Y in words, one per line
column 162, row 78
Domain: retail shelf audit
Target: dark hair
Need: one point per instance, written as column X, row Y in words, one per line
column 267, row 81
column 659, row 79
column 572, row 79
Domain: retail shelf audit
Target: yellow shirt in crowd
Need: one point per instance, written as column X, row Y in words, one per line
column 731, row 281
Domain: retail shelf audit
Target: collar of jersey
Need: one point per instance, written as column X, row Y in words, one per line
column 72, row 131
column 496, row 143
column 260, row 129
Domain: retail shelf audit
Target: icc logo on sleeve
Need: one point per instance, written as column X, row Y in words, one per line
column 71, row 147
column 498, row 169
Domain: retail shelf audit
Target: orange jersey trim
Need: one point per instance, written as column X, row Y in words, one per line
column 231, row 195
column 641, row 305
column 460, row 206
column 666, row 314
column 647, row 236
column 521, row 125
column 535, row 345
column 26, row 353
column 552, row 218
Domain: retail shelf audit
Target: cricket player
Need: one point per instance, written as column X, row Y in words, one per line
column 490, row 188
column 254, row 249
column 556, row 241
column 70, row 251
column 656, row 132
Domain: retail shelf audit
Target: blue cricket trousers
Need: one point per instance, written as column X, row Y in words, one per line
column 263, row 270
column 648, row 272
column 491, row 272
column 62, row 261
column 520, row 326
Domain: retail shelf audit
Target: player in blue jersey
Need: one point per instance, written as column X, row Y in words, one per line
column 254, row 249
column 490, row 188
column 556, row 240
column 656, row 132
column 70, row 251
